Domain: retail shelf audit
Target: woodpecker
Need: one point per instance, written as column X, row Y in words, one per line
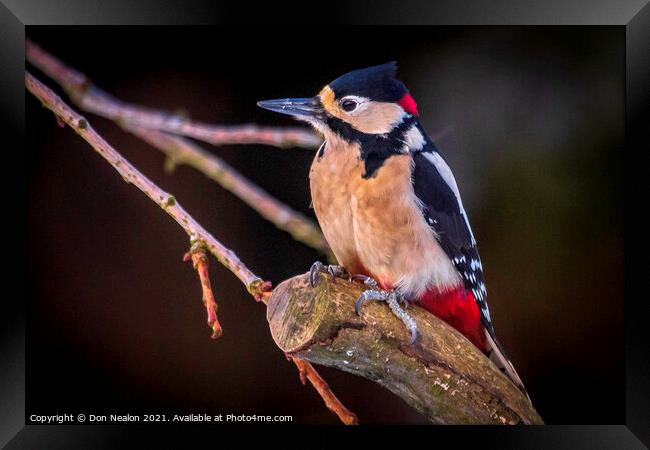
column 390, row 208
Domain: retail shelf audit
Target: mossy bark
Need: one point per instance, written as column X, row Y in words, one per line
column 442, row 374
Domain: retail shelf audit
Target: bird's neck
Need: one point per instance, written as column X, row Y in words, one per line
column 374, row 149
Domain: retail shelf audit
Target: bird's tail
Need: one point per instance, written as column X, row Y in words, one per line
column 498, row 357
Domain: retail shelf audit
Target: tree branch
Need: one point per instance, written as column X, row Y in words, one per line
column 90, row 98
column 442, row 375
column 145, row 123
column 199, row 237
column 132, row 175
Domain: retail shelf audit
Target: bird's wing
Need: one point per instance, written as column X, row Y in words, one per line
column 435, row 187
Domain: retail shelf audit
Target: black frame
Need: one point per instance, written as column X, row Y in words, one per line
column 634, row 15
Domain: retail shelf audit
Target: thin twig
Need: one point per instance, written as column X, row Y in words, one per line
column 258, row 288
column 201, row 263
column 93, row 99
column 308, row 372
column 145, row 124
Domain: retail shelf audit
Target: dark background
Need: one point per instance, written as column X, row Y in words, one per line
column 530, row 120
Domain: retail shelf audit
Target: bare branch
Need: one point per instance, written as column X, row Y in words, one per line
column 199, row 237
column 131, row 175
column 92, row 99
column 145, row 124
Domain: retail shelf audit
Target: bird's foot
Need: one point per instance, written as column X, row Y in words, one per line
column 393, row 300
column 374, row 285
column 331, row 270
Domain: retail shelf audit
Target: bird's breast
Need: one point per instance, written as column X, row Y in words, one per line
column 329, row 178
column 375, row 225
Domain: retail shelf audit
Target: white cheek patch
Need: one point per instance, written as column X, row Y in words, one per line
column 374, row 117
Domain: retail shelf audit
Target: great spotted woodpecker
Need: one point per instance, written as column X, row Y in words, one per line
column 389, row 206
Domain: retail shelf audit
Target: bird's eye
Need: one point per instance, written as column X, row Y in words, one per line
column 349, row 105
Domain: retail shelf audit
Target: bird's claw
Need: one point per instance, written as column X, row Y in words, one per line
column 370, row 294
column 374, row 292
column 392, row 299
column 333, row 271
column 368, row 281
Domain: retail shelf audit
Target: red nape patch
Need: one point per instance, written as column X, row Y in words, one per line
column 408, row 104
column 459, row 309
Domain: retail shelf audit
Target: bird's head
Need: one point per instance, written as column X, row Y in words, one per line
column 370, row 101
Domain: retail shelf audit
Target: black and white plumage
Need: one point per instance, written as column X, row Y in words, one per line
column 442, row 207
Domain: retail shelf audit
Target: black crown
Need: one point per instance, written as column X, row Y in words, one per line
column 377, row 83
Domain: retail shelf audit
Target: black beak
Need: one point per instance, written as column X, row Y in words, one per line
column 297, row 107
